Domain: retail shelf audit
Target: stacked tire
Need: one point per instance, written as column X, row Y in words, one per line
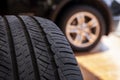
column 33, row 48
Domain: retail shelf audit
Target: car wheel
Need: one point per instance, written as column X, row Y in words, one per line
column 83, row 27
column 33, row 48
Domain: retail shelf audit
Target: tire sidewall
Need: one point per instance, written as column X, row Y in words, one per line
column 71, row 11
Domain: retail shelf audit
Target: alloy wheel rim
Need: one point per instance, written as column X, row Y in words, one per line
column 82, row 29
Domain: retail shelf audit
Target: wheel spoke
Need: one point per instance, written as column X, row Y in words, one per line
column 72, row 29
column 92, row 23
column 87, row 30
column 80, row 18
column 91, row 37
column 78, row 39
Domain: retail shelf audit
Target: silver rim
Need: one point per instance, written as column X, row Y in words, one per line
column 82, row 29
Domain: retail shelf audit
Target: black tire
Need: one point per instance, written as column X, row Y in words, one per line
column 32, row 48
column 75, row 9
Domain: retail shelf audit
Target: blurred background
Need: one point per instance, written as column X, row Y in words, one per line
column 102, row 63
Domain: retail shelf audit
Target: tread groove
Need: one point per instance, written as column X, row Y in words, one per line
column 51, row 53
column 32, row 53
column 3, row 51
column 12, row 51
column 4, row 67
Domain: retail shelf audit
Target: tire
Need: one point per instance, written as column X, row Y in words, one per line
column 32, row 48
column 88, row 12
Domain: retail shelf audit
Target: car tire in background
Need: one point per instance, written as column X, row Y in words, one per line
column 83, row 27
column 33, row 48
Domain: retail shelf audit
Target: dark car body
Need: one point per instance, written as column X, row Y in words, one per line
column 51, row 8
column 114, row 5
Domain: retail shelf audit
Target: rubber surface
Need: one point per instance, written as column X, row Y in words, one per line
column 33, row 48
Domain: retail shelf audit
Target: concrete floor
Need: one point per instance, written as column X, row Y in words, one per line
column 103, row 62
